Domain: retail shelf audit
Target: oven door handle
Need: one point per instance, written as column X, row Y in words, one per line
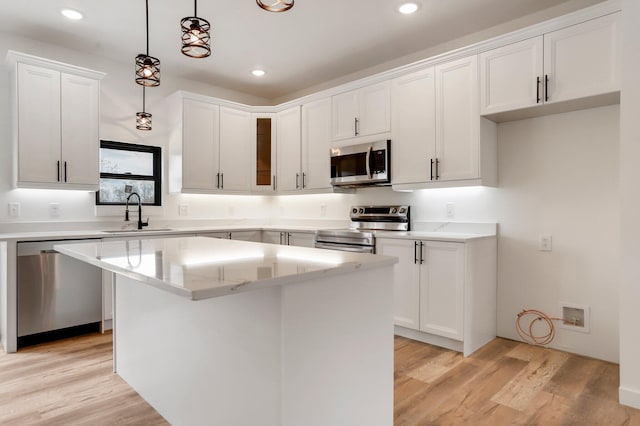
column 355, row 249
column 369, row 151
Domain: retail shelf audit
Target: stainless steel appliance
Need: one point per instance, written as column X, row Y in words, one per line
column 362, row 164
column 365, row 221
column 55, row 292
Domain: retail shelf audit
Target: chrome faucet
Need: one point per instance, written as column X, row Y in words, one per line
column 126, row 212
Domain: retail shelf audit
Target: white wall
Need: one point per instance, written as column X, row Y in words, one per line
column 630, row 206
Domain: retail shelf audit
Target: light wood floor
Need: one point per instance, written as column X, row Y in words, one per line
column 506, row 383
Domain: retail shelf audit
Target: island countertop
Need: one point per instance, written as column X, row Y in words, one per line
column 201, row 268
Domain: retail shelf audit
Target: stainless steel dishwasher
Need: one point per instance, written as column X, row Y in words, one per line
column 58, row 296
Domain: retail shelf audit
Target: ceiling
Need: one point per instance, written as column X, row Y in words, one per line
column 314, row 42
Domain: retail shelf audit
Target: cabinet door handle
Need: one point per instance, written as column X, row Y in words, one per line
column 297, row 180
column 546, row 88
column 65, row 171
column 221, row 180
column 304, row 184
column 421, row 252
column 218, row 180
column 431, row 169
column 58, row 168
column 415, row 252
column 281, row 238
column 274, row 182
column 355, row 127
column 288, row 238
column 538, row 89
column 437, row 169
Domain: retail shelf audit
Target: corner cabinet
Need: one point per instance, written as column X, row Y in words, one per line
column 438, row 136
column 576, row 62
column 444, row 292
column 56, row 122
column 209, row 147
column 362, row 112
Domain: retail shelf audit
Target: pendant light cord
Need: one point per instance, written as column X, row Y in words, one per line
column 195, row 8
column 147, row 9
column 144, row 100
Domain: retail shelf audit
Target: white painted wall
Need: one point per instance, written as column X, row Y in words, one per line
column 630, row 206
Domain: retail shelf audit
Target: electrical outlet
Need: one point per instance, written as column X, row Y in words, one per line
column 14, row 209
column 546, row 243
column 451, row 210
column 54, row 209
column 323, row 210
column 183, row 210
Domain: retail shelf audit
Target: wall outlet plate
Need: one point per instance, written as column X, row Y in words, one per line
column 451, row 210
column 14, row 209
column 546, row 243
column 183, row 210
column 54, row 209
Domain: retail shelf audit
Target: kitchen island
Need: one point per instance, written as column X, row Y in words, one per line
column 213, row 331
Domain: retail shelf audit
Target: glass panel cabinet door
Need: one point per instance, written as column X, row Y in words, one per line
column 264, row 152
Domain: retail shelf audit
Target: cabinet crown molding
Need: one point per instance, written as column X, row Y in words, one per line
column 14, row 57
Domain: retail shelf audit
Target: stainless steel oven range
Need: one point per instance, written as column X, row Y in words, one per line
column 365, row 221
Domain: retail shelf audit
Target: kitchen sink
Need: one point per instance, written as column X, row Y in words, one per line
column 117, row 231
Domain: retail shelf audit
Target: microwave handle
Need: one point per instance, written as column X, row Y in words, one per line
column 369, row 151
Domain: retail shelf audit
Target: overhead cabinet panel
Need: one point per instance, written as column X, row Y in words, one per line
column 235, row 151
column 316, row 144
column 581, row 60
column 414, row 131
column 457, row 120
column 289, row 157
column 200, row 145
column 512, row 76
column 80, row 124
column 362, row 112
column 39, row 138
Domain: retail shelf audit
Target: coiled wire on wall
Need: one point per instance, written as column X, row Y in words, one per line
column 534, row 316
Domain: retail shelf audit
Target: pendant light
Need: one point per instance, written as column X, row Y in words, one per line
column 143, row 119
column 278, row 6
column 195, row 35
column 147, row 67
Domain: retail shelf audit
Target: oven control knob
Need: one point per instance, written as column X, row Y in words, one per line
column 402, row 210
column 361, row 211
column 354, row 211
column 394, row 210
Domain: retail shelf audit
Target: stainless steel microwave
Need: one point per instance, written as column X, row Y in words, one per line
column 362, row 164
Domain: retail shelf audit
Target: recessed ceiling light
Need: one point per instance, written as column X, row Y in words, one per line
column 408, row 8
column 258, row 73
column 72, row 14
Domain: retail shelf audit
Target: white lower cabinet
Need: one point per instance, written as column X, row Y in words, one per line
column 444, row 292
column 298, row 239
column 252, row 235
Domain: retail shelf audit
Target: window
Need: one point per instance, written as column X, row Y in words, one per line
column 124, row 164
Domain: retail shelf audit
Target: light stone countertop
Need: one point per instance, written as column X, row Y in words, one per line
column 433, row 236
column 201, row 268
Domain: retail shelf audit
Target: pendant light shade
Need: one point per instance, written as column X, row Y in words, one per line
column 147, row 67
column 143, row 119
column 277, row 6
column 195, row 35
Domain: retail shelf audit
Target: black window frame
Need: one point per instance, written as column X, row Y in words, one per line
column 157, row 170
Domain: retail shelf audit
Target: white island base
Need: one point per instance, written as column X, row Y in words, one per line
column 317, row 352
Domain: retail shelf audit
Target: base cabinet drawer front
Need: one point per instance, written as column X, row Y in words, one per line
column 286, row 238
column 442, row 289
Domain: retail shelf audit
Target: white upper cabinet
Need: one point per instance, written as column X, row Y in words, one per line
column 289, row 156
column 57, row 122
column 264, row 152
column 362, row 112
column 316, row 145
column 511, row 76
column 200, row 146
column 438, row 136
column 575, row 62
column 582, row 60
column 235, row 151
column 209, row 147
column 457, row 120
column 414, row 133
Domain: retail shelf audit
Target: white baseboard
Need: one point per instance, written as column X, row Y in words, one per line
column 629, row 397
column 431, row 339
